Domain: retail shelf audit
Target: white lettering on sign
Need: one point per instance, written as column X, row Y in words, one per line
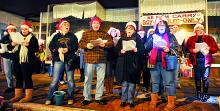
column 181, row 18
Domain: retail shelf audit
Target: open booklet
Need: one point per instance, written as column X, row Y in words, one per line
column 202, row 48
column 98, row 41
column 128, row 45
column 16, row 37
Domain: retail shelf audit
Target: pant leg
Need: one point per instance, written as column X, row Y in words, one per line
column 124, row 96
column 26, row 70
column 89, row 70
column 8, row 72
column 100, row 68
column 197, row 79
column 155, row 77
column 58, row 68
column 146, row 78
column 70, row 82
column 205, row 79
column 18, row 74
column 168, row 80
column 131, row 92
column 177, row 77
column 82, row 76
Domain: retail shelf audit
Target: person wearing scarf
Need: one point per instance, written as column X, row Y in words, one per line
column 201, row 59
column 63, row 47
column 157, row 59
column 24, row 62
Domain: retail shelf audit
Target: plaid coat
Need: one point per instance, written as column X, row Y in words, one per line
column 97, row 54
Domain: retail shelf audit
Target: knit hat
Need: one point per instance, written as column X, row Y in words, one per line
column 61, row 22
column 149, row 32
column 159, row 19
column 197, row 26
column 112, row 28
column 8, row 27
column 27, row 25
column 11, row 26
column 141, row 31
column 96, row 19
column 132, row 24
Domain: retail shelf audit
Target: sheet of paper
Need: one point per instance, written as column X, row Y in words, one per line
column 98, row 41
column 198, row 46
column 128, row 45
column 16, row 37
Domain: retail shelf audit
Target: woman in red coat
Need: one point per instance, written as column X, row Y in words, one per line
column 201, row 47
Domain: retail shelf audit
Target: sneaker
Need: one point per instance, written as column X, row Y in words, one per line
column 131, row 105
column 9, row 90
column 48, row 102
column 70, row 102
column 62, row 82
column 178, row 86
column 85, row 102
column 123, row 104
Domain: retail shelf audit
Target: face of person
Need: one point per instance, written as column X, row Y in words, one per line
column 65, row 27
column 96, row 25
column 129, row 30
column 25, row 30
column 161, row 27
column 11, row 30
column 113, row 33
column 199, row 31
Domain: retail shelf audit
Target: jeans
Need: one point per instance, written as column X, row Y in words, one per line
column 128, row 91
column 8, row 72
column 59, row 67
column 167, row 77
column 201, row 72
column 89, row 71
column 177, row 78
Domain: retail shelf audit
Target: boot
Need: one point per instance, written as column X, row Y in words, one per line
column 28, row 96
column 171, row 104
column 154, row 101
column 18, row 93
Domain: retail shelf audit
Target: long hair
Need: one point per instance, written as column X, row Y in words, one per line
column 167, row 30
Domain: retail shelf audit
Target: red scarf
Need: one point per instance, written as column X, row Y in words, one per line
column 153, row 54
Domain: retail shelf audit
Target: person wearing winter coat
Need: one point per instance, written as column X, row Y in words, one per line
column 128, row 67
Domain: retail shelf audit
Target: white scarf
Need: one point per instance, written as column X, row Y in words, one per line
column 23, row 54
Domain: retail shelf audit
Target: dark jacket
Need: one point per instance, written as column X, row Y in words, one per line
column 128, row 66
column 6, row 40
column 32, row 49
column 69, row 41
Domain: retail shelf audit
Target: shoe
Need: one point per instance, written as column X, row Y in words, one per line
column 131, row 105
column 9, row 90
column 178, row 86
column 85, row 102
column 28, row 96
column 48, row 102
column 102, row 102
column 204, row 98
column 62, row 82
column 198, row 96
column 70, row 102
column 123, row 104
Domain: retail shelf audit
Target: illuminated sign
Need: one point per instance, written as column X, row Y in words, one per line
column 180, row 18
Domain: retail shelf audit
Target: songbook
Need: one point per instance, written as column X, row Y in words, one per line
column 16, row 37
column 128, row 45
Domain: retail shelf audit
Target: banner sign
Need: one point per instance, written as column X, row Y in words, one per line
column 179, row 18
